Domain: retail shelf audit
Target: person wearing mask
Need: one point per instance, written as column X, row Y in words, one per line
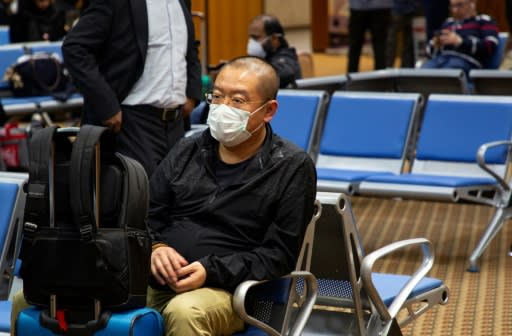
column 227, row 205
column 138, row 69
column 373, row 16
column 266, row 40
column 464, row 41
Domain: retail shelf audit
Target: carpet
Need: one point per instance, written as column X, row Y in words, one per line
column 479, row 303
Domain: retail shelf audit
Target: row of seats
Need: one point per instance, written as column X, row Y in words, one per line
column 346, row 281
column 379, row 144
column 424, row 81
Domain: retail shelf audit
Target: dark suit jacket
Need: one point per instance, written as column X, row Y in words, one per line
column 105, row 53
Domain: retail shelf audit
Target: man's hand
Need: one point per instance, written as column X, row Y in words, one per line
column 449, row 37
column 115, row 122
column 187, row 108
column 165, row 264
column 190, row 277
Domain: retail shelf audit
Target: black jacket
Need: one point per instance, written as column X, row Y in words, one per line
column 32, row 24
column 106, row 50
column 286, row 63
column 251, row 229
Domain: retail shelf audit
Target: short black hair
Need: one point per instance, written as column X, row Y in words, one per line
column 271, row 25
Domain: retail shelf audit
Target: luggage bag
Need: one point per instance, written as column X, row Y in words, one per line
column 86, row 242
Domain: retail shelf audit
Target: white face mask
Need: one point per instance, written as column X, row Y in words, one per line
column 255, row 48
column 228, row 125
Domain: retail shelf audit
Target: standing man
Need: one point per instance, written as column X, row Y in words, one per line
column 266, row 40
column 465, row 41
column 136, row 64
column 227, row 205
column 372, row 15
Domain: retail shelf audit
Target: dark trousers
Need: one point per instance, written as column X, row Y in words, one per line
column 436, row 11
column 147, row 138
column 377, row 22
column 401, row 23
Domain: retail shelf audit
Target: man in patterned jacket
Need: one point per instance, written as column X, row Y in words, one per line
column 465, row 41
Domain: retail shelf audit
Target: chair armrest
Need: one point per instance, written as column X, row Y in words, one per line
column 480, row 157
column 305, row 302
column 391, row 312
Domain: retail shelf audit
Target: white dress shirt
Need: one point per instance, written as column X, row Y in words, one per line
column 164, row 79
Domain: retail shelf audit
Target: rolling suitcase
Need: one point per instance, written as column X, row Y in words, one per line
column 86, row 247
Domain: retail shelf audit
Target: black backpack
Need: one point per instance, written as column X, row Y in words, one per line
column 71, row 258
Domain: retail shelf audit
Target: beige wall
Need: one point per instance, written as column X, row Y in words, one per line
column 291, row 13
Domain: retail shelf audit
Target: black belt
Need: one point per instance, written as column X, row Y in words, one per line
column 164, row 114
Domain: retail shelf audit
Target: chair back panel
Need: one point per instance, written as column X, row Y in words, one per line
column 429, row 81
column 299, row 117
column 455, row 126
column 491, row 82
column 368, row 124
column 12, row 203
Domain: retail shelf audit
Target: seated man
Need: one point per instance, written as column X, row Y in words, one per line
column 266, row 40
column 465, row 41
column 227, row 205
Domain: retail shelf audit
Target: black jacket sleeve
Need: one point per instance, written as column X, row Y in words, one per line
column 81, row 49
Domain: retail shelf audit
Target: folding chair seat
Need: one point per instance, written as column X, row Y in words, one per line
column 300, row 116
column 447, row 167
column 365, row 134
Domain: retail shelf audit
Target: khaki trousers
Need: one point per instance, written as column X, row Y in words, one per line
column 200, row 312
column 18, row 304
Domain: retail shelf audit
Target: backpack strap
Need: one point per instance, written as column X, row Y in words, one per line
column 135, row 194
column 83, row 175
column 37, row 209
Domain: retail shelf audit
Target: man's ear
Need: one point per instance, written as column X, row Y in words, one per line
column 270, row 110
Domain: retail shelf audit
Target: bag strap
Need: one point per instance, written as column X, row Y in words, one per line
column 37, row 209
column 83, row 173
column 135, row 194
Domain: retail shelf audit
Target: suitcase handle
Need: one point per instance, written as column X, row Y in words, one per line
column 79, row 329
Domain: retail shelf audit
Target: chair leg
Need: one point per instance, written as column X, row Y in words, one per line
column 499, row 218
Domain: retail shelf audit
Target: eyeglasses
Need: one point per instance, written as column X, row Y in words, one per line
column 215, row 98
column 458, row 5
